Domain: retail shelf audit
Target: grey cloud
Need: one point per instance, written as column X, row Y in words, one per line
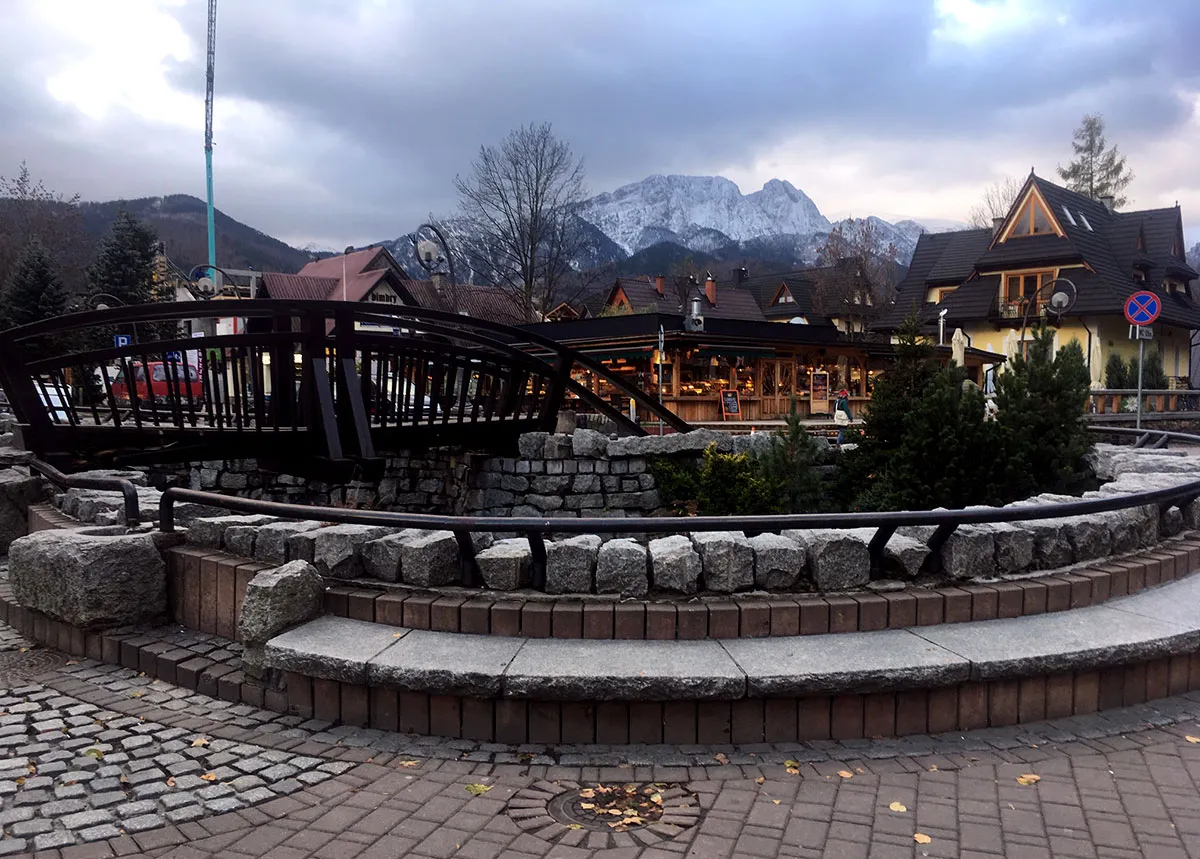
column 409, row 91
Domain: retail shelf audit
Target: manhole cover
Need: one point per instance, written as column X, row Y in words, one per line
column 605, row 815
column 17, row 666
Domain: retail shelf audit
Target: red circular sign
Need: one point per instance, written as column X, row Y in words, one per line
column 1142, row 308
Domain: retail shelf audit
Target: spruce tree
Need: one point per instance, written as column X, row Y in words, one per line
column 1096, row 170
column 124, row 266
column 1116, row 373
column 35, row 291
column 124, row 271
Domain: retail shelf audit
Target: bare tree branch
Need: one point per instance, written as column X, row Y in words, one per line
column 520, row 200
column 996, row 201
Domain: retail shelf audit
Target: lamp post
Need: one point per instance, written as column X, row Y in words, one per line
column 1059, row 300
column 428, row 265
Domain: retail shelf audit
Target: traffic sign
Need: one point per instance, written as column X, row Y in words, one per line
column 1142, row 308
column 121, row 340
column 174, row 357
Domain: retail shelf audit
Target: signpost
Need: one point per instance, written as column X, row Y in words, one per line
column 120, row 340
column 662, row 344
column 1141, row 309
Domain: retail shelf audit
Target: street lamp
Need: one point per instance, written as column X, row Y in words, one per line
column 207, row 290
column 428, row 264
column 1059, row 300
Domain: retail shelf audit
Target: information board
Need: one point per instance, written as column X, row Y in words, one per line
column 819, row 401
column 731, row 406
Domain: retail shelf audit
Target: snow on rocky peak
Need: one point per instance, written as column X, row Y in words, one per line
column 697, row 205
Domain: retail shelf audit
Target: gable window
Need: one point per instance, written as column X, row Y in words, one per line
column 785, row 297
column 1032, row 219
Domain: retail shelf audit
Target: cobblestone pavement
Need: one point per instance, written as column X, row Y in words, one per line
column 1122, row 784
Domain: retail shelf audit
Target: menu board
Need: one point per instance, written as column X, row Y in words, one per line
column 819, row 401
column 731, row 406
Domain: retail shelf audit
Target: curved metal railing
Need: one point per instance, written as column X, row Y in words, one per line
column 944, row 522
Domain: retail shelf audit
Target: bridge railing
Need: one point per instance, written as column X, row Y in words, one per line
column 328, row 379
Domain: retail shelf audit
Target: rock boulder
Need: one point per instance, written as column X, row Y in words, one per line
column 91, row 581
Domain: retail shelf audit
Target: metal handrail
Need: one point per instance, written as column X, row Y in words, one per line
column 110, row 484
column 945, row 522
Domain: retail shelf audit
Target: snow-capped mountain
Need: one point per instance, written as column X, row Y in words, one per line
column 705, row 214
column 693, row 210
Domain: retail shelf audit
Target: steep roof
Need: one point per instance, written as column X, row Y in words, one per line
column 643, row 297
column 298, row 287
column 1110, row 245
column 482, row 302
column 800, row 284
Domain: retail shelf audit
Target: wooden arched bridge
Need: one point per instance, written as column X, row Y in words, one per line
column 307, row 384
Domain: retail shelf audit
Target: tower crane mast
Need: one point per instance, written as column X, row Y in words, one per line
column 208, row 134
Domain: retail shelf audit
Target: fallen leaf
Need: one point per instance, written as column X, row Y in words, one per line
column 656, row 798
column 138, row 694
column 794, row 771
column 410, row 764
column 933, row 768
column 94, row 753
column 898, row 806
column 24, row 649
column 587, row 793
column 845, row 774
column 397, row 634
column 587, row 806
column 124, row 779
column 209, row 777
column 1192, row 739
column 171, row 781
column 200, row 741
column 759, row 780
column 574, row 826
column 720, row 758
column 775, row 801
column 921, row 838
column 791, row 763
column 1028, row 779
column 72, row 661
column 478, row 789
column 21, row 781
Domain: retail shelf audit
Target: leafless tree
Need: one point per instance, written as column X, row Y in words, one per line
column 520, row 199
column 29, row 213
column 856, row 276
column 997, row 199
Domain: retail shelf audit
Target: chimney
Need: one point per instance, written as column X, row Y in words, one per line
column 439, row 282
column 1109, row 201
column 710, row 290
column 742, row 275
column 997, row 223
column 660, row 285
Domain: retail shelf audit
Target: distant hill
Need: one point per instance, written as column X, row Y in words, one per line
column 182, row 225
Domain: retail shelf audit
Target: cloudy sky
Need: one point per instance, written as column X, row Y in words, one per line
column 345, row 121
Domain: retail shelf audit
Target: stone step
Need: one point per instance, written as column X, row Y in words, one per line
column 1151, row 625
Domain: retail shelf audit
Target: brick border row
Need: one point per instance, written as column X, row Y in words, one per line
column 967, row 706
column 206, row 588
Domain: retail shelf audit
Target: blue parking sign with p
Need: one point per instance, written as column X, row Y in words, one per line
column 175, row 357
column 121, row 340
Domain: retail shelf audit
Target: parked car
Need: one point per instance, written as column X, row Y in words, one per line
column 162, row 384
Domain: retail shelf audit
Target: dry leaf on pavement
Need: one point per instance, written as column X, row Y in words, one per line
column 898, row 806
column 845, row 774
column 1028, row 779
column 478, row 789
column 720, row 758
column 921, row 838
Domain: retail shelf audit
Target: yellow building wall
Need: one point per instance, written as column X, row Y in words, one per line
column 1108, row 334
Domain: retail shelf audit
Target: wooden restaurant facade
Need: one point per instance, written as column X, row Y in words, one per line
column 732, row 366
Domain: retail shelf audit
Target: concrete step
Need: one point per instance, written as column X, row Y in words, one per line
column 1151, row 625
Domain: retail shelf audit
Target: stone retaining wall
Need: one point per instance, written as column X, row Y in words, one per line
column 557, row 473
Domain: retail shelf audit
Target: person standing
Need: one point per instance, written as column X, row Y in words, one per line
column 841, row 414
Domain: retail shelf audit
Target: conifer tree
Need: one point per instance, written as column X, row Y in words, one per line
column 1096, row 170
column 124, row 270
column 35, row 291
